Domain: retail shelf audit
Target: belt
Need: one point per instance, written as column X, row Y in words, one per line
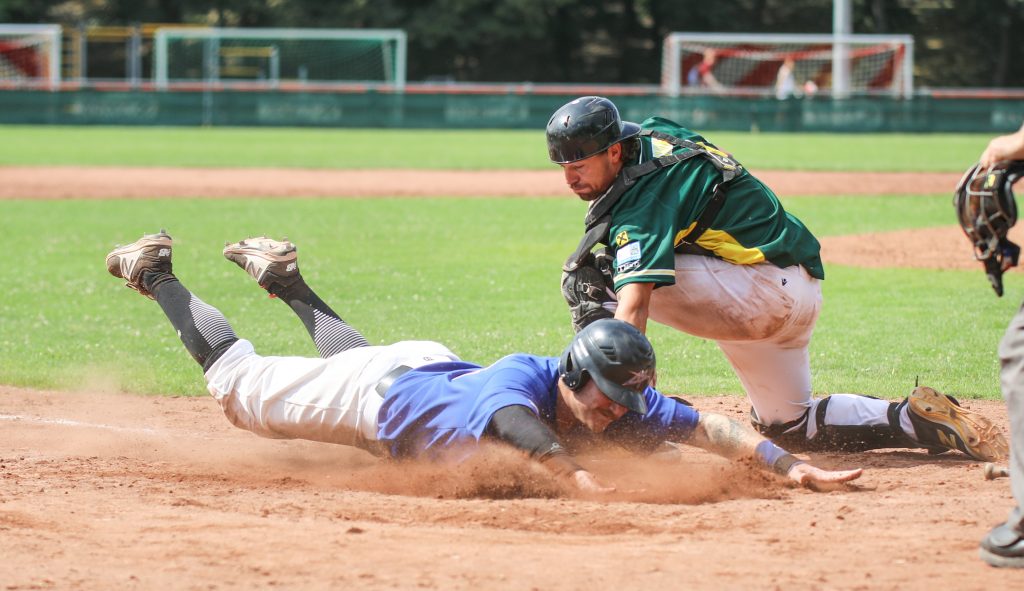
column 390, row 377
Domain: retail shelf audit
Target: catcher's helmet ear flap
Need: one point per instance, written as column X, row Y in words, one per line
column 586, row 126
column 617, row 356
column 986, row 209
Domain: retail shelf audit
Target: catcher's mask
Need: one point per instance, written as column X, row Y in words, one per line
column 617, row 356
column 987, row 209
column 586, row 126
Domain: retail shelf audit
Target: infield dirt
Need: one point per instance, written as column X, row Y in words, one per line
column 109, row 491
column 104, row 491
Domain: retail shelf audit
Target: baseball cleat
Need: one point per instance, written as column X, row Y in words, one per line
column 266, row 260
column 940, row 422
column 152, row 252
column 1003, row 547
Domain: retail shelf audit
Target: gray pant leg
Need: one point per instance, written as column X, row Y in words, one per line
column 1011, row 354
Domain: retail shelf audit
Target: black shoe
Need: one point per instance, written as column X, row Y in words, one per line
column 1003, row 547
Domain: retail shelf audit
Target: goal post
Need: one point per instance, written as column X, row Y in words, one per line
column 273, row 57
column 30, row 55
column 755, row 64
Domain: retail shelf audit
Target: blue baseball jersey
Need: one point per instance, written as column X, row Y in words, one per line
column 444, row 408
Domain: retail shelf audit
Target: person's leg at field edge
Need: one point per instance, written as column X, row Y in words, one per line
column 1004, row 544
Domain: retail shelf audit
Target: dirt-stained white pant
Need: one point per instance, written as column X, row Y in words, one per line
column 762, row 317
column 1011, row 355
column 333, row 399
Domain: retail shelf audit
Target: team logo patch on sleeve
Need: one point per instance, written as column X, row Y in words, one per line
column 627, row 257
column 621, row 239
column 660, row 147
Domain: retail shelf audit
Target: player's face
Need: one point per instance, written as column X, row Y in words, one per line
column 592, row 408
column 591, row 177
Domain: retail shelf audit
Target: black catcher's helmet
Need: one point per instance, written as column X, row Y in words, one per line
column 987, row 209
column 617, row 356
column 586, row 126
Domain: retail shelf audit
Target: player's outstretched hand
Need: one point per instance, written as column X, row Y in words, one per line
column 815, row 478
column 588, row 483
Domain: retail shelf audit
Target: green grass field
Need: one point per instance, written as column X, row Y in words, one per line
column 457, row 150
column 480, row 275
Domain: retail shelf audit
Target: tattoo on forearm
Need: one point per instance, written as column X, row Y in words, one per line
column 726, row 436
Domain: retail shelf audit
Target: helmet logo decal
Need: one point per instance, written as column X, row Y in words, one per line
column 640, row 378
column 566, row 122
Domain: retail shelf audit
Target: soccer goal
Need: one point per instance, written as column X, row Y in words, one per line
column 275, row 58
column 30, row 55
column 787, row 65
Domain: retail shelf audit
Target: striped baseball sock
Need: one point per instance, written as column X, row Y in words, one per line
column 203, row 330
column 330, row 333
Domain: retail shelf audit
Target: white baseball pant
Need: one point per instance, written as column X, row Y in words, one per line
column 762, row 317
column 333, row 399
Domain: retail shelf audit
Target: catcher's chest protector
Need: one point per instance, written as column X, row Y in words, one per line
column 598, row 220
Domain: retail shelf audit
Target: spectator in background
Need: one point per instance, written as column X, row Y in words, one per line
column 693, row 76
column 702, row 74
column 1004, row 545
column 785, row 80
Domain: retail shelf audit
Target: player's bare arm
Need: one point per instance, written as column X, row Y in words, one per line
column 729, row 438
column 1004, row 147
column 634, row 304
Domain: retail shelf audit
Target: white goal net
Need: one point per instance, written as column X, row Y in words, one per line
column 30, row 55
column 787, row 65
column 276, row 58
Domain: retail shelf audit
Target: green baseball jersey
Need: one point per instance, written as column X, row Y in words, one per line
column 654, row 216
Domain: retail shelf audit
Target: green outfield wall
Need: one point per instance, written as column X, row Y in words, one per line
column 501, row 111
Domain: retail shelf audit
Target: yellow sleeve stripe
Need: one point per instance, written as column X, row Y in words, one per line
column 724, row 246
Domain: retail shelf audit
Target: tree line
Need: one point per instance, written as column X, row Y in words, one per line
column 961, row 43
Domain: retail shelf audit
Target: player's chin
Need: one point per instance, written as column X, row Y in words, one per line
column 585, row 195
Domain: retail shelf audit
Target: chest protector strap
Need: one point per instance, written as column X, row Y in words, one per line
column 598, row 221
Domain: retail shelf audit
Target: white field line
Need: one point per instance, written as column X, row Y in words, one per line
column 73, row 423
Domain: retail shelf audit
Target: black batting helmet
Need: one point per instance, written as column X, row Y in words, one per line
column 586, row 126
column 986, row 209
column 617, row 356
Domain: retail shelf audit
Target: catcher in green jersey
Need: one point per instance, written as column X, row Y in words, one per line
column 677, row 231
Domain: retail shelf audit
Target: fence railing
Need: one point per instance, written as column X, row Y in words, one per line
column 421, row 109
